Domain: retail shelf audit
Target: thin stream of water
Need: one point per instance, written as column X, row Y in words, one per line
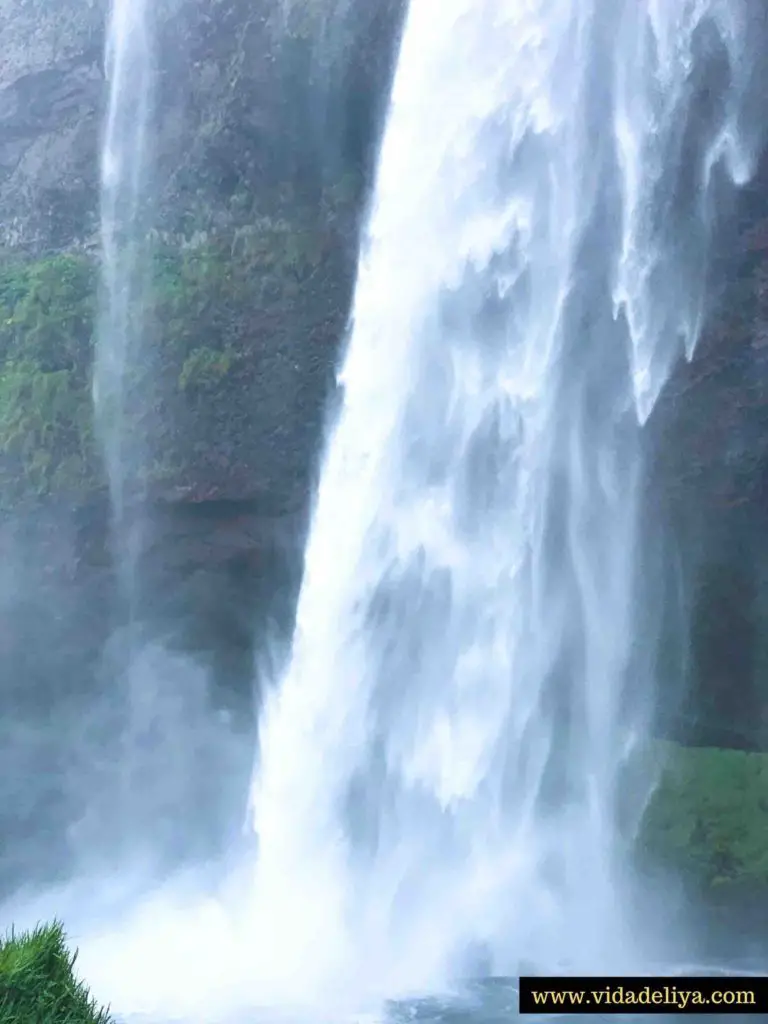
column 125, row 185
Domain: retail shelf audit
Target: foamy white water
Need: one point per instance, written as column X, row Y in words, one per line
column 440, row 769
column 665, row 50
column 440, row 781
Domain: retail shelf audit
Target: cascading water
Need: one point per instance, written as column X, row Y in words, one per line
column 440, row 770
column 124, row 240
column 121, row 399
column 154, row 725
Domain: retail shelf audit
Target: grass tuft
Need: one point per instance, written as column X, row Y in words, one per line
column 38, row 984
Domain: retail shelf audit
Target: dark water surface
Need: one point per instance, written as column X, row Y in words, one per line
column 488, row 1001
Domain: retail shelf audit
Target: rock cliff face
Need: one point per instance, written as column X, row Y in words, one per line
column 51, row 91
column 266, row 121
column 267, row 116
column 709, row 443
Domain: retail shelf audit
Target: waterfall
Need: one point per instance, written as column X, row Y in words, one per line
column 122, row 367
column 125, row 183
column 440, row 774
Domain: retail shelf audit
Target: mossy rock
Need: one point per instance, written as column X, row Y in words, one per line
column 47, row 311
column 708, row 819
column 38, row 984
column 218, row 300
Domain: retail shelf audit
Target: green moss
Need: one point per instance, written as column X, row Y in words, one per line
column 217, row 297
column 708, row 818
column 47, row 310
column 38, row 984
column 260, row 263
column 204, row 369
column 209, row 294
